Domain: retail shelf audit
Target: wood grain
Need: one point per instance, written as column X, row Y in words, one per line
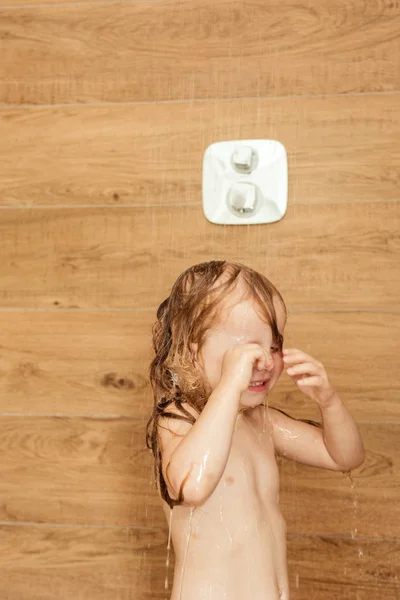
column 173, row 50
column 98, row 472
column 95, row 362
column 80, row 562
column 345, row 569
column 317, row 256
column 340, row 150
column 101, row 211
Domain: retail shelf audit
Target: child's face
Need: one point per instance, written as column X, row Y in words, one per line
column 242, row 325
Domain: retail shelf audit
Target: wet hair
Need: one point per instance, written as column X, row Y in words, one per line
column 183, row 320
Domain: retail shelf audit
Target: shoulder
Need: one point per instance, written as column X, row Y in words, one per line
column 276, row 416
column 174, row 421
column 180, row 408
column 172, row 427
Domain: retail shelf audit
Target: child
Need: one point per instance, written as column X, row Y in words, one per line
column 218, row 354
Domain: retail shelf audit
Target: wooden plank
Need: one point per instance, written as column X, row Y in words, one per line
column 170, row 50
column 98, row 472
column 50, row 562
column 333, row 568
column 340, row 149
column 319, row 256
column 318, row 501
column 77, row 470
column 96, row 363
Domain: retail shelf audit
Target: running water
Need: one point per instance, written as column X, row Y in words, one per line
column 168, row 549
column 187, row 545
column 355, row 506
column 264, row 414
column 265, row 407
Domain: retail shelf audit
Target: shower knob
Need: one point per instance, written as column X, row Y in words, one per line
column 244, row 159
column 243, row 199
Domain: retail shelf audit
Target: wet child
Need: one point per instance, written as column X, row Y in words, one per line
column 218, row 343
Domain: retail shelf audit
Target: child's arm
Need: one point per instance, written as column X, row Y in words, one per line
column 194, row 456
column 338, row 445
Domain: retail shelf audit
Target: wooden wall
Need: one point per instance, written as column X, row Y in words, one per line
column 106, row 109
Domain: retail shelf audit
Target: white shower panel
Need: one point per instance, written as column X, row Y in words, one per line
column 245, row 181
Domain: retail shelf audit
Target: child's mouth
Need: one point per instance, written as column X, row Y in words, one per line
column 260, row 386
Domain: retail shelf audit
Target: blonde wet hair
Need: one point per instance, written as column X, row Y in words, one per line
column 183, row 320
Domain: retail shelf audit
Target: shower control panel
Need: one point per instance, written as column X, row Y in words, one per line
column 245, row 181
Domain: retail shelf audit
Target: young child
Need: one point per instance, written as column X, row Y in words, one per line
column 218, row 353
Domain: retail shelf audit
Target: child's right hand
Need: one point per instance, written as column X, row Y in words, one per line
column 238, row 363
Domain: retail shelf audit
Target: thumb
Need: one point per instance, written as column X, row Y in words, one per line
column 268, row 358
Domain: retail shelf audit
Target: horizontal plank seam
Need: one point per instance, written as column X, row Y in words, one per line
column 54, row 5
column 63, row 206
column 343, row 536
column 192, row 100
column 291, row 309
column 133, row 417
column 168, row 204
column 75, row 525
column 72, row 416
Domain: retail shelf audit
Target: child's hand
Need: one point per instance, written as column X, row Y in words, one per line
column 238, row 363
column 309, row 374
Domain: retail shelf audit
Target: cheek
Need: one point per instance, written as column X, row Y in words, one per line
column 213, row 367
column 212, row 363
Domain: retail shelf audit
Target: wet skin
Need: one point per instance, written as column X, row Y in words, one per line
column 235, row 543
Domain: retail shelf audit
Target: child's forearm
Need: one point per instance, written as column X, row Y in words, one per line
column 198, row 462
column 341, row 436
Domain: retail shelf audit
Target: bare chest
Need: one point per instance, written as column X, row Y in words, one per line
column 251, row 469
column 239, row 511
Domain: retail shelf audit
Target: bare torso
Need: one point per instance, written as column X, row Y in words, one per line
column 235, row 543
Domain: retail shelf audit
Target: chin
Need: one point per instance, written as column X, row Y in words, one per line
column 251, row 399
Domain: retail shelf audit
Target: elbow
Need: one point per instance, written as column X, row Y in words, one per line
column 188, row 497
column 361, row 459
column 351, row 465
column 188, row 490
column 193, row 500
column 194, row 494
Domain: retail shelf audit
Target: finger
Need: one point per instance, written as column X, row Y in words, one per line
column 293, row 355
column 296, row 361
column 306, row 367
column 259, row 364
column 258, row 360
column 310, row 380
column 262, row 362
column 296, row 356
column 267, row 359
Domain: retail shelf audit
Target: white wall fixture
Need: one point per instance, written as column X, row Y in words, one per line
column 245, row 181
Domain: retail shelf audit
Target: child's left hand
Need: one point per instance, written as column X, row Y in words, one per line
column 315, row 383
